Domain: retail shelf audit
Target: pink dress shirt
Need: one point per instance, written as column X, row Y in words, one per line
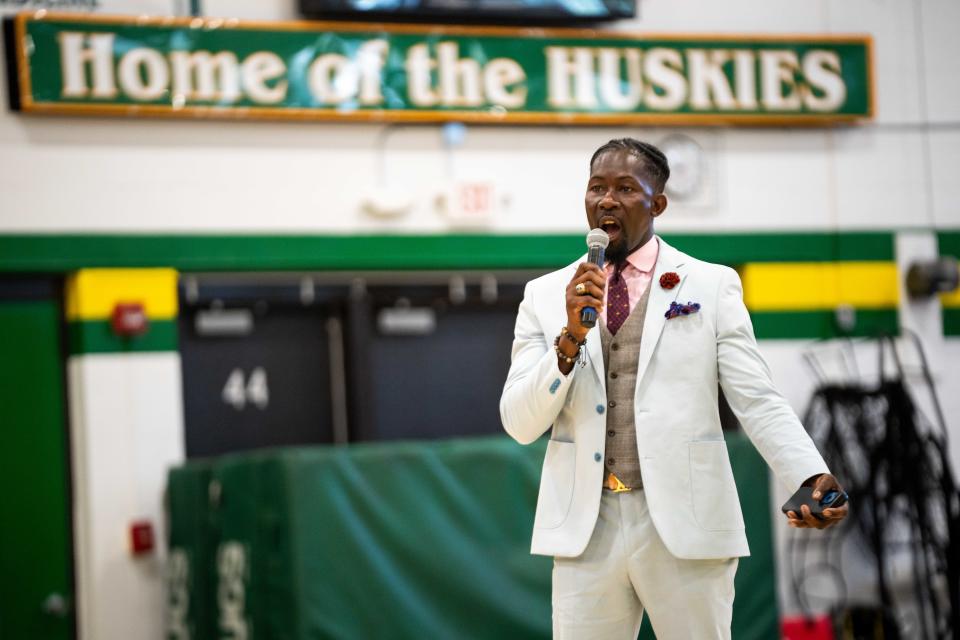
column 637, row 273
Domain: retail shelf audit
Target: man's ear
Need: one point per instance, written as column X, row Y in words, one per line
column 659, row 204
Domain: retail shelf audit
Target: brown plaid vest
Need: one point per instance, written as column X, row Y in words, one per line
column 621, row 355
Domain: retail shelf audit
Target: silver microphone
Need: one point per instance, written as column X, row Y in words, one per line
column 597, row 241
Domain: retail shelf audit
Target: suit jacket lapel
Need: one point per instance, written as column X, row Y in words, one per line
column 595, row 352
column 669, row 259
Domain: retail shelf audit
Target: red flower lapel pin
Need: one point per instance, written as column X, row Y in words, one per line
column 669, row 280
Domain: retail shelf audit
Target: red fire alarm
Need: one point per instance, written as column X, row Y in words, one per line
column 129, row 319
column 141, row 537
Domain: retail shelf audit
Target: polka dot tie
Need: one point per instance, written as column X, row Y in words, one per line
column 618, row 300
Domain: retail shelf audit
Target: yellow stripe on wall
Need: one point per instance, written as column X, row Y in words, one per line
column 92, row 294
column 951, row 299
column 781, row 286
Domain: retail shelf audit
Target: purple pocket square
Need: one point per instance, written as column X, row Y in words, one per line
column 677, row 309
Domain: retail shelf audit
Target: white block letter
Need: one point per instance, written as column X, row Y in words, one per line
column 371, row 58
column 419, row 76
column 76, row 51
column 259, row 69
column 144, row 74
column 499, row 76
column 333, row 79
column 708, row 79
column 664, row 70
column 822, row 70
column 618, row 93
column 203, row 76
column 745, row 77
column 778, row 69
column 561, row 69
column 459, row 78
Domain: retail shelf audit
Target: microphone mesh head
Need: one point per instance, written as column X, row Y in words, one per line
column 598, row 236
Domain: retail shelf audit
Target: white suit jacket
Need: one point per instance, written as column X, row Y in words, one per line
column 683, row 458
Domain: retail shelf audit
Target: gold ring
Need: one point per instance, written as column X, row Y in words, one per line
column 580, row 288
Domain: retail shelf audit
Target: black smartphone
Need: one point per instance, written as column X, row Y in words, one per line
column 804, row 496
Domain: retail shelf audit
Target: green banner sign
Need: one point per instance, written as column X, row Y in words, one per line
column 71, row 64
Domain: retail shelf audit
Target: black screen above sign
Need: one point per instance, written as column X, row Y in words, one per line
column 554, row 12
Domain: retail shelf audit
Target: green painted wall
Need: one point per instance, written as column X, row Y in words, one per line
column 35, row 556
column 949, row 245
column 59, row 253
column 97, row 336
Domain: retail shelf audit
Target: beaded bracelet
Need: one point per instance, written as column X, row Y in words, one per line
column 561, row 354
column 566, row 332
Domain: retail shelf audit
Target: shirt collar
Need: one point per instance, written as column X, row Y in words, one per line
column 645, row 257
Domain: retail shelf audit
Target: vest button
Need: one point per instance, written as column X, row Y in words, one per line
column 615, row 346
column 613, row 403
column 611, row 461
column 611, row 433
column 613, row 375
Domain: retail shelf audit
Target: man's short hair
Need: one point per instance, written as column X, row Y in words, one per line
column 654, row 161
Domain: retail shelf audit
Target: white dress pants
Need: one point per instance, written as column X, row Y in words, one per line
column 626, row 569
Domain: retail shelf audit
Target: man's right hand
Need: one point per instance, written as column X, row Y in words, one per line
column 595, row 281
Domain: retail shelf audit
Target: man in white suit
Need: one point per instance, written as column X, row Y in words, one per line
column 637, row 500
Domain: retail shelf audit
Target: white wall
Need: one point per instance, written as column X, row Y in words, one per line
column 62, row 174
column 142, row 175
column 69, row 174
column 126, row 423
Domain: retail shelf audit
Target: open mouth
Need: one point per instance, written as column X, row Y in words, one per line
column 610, row 225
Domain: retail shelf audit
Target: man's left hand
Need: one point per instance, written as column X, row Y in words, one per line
column 831, row 516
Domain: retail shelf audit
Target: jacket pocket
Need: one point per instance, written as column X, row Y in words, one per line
column 556, row 484
column 714, row 492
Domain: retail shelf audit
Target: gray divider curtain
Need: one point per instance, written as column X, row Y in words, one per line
column 397, row 540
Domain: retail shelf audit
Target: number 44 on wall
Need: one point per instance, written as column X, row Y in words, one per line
column 255, row 391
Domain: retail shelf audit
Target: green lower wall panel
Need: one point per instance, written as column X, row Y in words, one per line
column 948, row 242
column 739, row 248
column 36, row 556
column 96, row 336
column 949, row 245
column 406, row 540
column 821, row 324
column 59, row 253
column 951, row 321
